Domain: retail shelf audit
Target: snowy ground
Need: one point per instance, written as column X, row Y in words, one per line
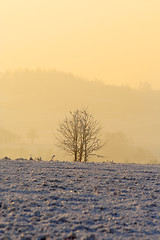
column 60, row 200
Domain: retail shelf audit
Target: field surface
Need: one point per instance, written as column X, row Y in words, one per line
column 63, row 200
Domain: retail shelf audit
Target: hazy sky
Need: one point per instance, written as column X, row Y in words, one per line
column 117, row 41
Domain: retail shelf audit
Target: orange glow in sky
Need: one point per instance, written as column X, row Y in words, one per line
column 115, row 41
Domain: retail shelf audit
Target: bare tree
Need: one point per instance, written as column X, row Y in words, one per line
column 79, row 135
column 32, row 135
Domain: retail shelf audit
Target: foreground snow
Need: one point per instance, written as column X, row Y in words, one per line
column 63, row 200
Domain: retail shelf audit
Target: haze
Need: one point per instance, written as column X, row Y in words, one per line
column 56, row 56
column 33, row 102
column 115, row 41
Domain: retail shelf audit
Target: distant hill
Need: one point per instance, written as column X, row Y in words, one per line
column 40, row 99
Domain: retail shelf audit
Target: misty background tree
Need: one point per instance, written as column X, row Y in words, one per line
column 79, row 135
column 32, row 135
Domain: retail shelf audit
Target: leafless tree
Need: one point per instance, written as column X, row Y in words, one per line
column 32, row 135
column 79, row 135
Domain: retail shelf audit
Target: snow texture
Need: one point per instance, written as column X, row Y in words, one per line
column 67, row 200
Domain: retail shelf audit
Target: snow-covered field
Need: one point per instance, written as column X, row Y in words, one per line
column 67, row 200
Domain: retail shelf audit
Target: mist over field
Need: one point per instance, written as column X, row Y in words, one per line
column 33, row 102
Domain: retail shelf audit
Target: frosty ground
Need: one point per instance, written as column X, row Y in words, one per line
column 68, row 200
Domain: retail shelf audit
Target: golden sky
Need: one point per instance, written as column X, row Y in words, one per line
column 117, row 41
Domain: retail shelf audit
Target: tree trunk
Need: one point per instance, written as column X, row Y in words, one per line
column 85, row 153
column 75, row 156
